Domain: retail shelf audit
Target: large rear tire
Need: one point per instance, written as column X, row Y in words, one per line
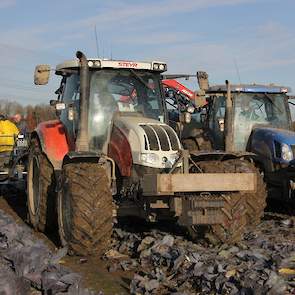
column 233, row 224
column 232, row 228
column 200, row 142
column 41, row 195
column 256, row 201
column 85, row 209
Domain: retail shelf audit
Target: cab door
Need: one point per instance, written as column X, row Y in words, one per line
column 216, row 122
column 70, row 115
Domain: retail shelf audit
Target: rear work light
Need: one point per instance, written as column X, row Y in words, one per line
column 284, row 90
column 159, row 67
column 94, row 64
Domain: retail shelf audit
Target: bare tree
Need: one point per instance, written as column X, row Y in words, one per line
column 32, row 115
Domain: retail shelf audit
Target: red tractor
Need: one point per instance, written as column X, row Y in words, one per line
column 111, row 153
column 184, row 110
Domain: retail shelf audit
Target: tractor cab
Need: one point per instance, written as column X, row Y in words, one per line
column 255, row 119
column 116, row 108
column 116, row 89
column 254, row 106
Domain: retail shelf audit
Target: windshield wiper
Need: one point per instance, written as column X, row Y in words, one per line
column 271, row 101
column 140, row 79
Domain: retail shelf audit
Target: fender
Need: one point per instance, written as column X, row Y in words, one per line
column 264, row 152
column 222, row 155
column 53, row 141
column 262, row 142
column 119, row 149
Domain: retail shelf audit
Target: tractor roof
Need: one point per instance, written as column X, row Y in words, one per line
column 254, row 88
column 94, row 63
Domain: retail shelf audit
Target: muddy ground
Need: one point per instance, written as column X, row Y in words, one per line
column 158, row 260
column 93, row 270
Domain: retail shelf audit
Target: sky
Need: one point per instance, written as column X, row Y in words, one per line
column 238, row 40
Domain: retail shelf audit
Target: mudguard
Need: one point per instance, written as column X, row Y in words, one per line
column 119, row 150
column 221, row 155
column 53, row 141
column 74, row 157
column 263, row 143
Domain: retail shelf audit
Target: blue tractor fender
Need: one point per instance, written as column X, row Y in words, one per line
column 267, row 144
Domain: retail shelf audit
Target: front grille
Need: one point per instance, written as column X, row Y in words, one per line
column 160, row 137
column 152, row 138
column 163, row 138
column 172, row 137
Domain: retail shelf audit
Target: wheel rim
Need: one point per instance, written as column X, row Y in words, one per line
column 34, row 185
column 64, row 210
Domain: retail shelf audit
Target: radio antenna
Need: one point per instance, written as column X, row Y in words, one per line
column 237, row 69
column 111, row 51
column 96, row 41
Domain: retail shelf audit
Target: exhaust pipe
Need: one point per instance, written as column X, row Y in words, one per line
column 82, row 142
column 229, row 146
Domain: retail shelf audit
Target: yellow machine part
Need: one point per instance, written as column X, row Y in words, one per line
column 8, row 132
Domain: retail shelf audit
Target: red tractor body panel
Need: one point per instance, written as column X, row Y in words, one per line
column 170, row 83
column 120, row 151
column 53, row 139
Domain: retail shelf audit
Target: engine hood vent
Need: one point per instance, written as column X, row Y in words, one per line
column 160, row 138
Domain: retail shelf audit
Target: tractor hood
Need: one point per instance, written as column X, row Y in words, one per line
column 277, row 134
column 277, row 145
column 153, row 144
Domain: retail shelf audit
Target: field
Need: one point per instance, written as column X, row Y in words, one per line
column 147, row 259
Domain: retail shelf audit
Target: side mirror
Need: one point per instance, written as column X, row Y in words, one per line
column 200, row 99
column 41, row 75
column 53, row 102
column 203, row 80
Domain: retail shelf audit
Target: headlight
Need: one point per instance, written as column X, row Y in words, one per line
column 287, row 153
column 150, row 158
column 173, row 158
column 170, row 160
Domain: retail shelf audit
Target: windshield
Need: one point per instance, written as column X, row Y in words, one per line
column 125, row 91
column 257, row 109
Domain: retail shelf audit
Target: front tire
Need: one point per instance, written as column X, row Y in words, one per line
column 85, row 209
column 40, row 189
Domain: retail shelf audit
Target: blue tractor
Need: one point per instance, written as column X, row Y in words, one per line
column 255, row 119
